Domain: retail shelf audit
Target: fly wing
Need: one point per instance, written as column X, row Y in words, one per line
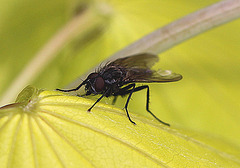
column 138, row 69
column 140, row 61
column 149, row 76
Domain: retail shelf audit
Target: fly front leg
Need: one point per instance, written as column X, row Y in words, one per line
column 98, row 100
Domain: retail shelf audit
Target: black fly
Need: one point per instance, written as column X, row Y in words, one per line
column 118, row 78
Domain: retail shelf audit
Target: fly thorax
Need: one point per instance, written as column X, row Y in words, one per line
column 112, row 76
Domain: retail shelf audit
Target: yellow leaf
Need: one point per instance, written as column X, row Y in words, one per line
column 52, row 129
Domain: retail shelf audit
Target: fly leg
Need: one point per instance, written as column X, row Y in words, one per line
column 114, row 100
column 129, row 97
column 98, row 100
column 147, row 103
column 75, row 89
column 123, row 91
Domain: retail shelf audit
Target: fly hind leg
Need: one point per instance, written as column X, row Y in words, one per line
column 127, row 90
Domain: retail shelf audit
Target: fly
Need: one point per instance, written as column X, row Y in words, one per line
column 119, row 78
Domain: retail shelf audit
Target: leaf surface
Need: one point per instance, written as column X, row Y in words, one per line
column 55, row 130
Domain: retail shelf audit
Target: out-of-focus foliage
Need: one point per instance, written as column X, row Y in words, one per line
column 206, row 100
column 24, row 28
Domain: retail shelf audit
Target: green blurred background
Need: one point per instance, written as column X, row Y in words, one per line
column 205, row 101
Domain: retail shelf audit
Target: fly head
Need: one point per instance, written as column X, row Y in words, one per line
column 95, row 84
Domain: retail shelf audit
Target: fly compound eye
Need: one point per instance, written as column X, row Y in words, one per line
column 99, row 84
column 92, row 75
